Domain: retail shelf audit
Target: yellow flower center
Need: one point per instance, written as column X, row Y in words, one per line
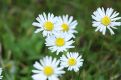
column 60, row 41
column 48, row 26
column 106, row 21
column 48, row 70
column 72, row 62
column 65, row 27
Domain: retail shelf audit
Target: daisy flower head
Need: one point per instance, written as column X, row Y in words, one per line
column 47, row 69
column 72, row 60
column 59, row 42
column 105, row 19
column 46, row 24
column 67, row 24
column 1, row 73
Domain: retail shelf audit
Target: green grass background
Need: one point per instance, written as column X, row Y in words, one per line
column 20, row 47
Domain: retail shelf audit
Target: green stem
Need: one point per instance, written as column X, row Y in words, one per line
column 79, row 77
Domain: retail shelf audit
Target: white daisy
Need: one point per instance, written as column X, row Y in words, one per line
column 47, row 69
column 72, row 60
column 67, row 24
column 46, row 24
column 105, row 19
column 1, row 73
column 59, row 42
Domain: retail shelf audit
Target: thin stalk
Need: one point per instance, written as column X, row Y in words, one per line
column 79, row 76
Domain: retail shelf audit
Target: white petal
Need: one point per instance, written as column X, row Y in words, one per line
column 109, row 12
column 114, row 19
column 38, row 30
column 95, row 18
column 38, row 66
column 39, row 77
column 111, row 31
column 115, row 14
column 104, row 30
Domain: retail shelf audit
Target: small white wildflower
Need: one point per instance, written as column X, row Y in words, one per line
column 105, row 20
column 47, row 69
column 73, row 61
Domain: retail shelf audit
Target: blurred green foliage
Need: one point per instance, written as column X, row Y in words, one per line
column 21, row 47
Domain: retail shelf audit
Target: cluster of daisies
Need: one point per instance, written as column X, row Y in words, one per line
column 58, row 31
column 59, row 34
